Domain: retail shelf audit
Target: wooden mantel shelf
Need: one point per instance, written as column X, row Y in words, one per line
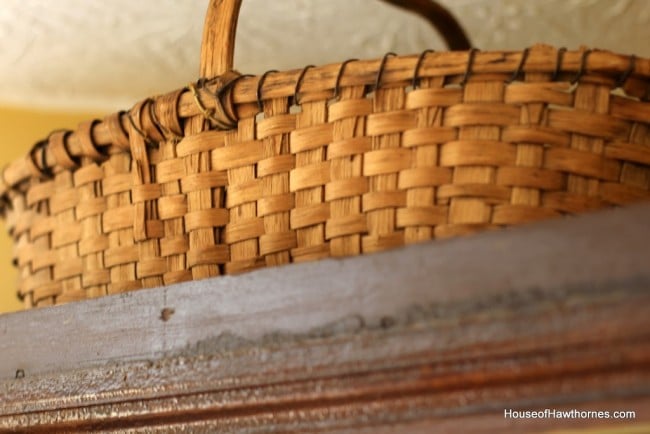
column 439, row 337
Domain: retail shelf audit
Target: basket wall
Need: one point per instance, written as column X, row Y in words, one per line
column 158, row 196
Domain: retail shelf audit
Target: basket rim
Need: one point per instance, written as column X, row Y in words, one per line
column 218, row 95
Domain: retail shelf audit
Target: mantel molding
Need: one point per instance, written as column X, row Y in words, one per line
column 443, row 335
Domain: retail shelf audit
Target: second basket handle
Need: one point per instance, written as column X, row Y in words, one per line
column 218, row 46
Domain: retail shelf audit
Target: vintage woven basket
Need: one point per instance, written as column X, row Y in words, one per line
column 240, row 172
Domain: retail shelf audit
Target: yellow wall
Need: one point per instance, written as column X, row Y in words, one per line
column 19, row 130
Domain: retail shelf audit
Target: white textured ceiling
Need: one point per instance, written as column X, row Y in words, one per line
column 105, row 55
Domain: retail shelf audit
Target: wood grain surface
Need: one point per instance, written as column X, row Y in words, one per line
column 446, row 335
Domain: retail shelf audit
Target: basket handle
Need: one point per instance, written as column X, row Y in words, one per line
column 218, row 46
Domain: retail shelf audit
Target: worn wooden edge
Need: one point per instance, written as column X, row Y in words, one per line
column 549, row 315
column 562, row 353
column 543, row 353
column 604, row 246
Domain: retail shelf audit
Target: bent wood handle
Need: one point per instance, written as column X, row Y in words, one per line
column 218, row 46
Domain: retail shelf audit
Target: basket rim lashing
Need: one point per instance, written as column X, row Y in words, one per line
column 237, row 172
column 616, row 70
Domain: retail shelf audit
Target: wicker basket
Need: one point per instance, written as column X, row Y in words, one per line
column 239, row 172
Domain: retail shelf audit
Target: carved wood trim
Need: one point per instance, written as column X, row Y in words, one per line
column 545, row 316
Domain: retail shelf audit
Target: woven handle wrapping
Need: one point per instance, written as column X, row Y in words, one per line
column 218, row 46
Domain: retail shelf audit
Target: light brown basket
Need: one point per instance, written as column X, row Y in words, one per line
column 238, row 172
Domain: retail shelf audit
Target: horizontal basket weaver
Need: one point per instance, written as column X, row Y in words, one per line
column 240, row 172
